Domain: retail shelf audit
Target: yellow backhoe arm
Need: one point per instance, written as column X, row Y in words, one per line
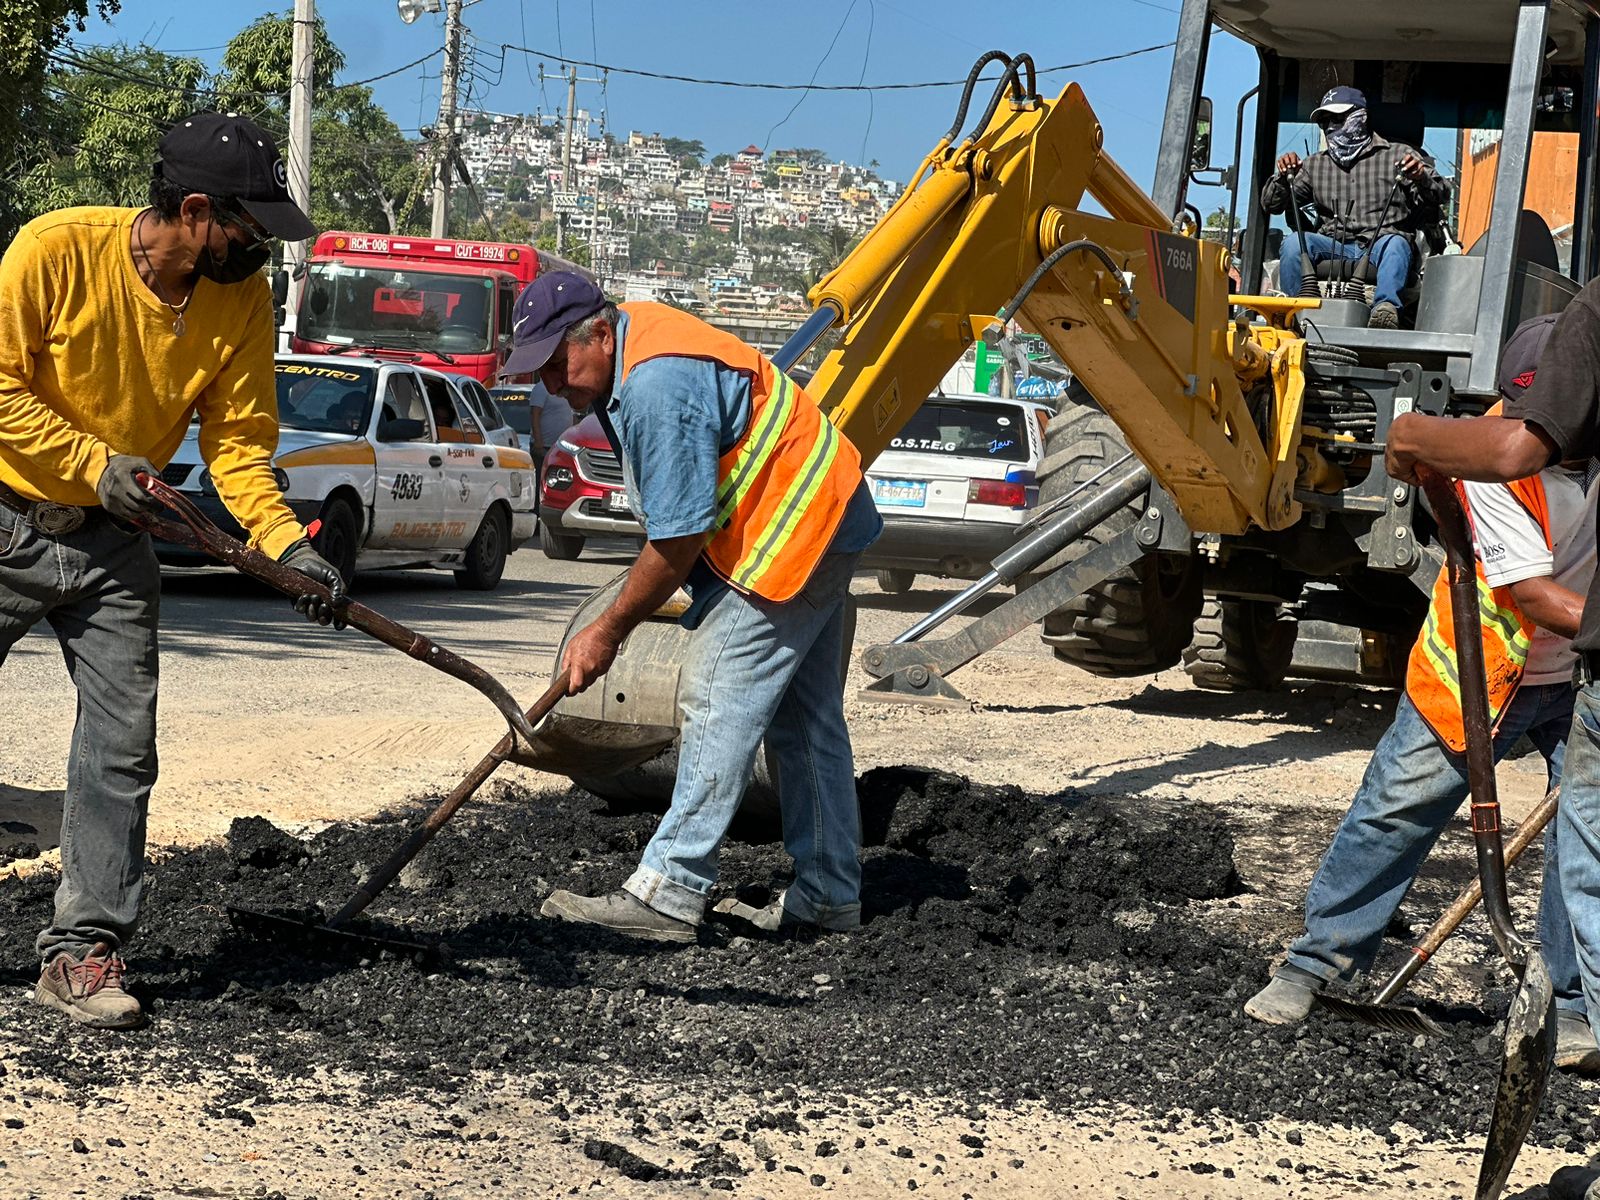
column 1139, row 313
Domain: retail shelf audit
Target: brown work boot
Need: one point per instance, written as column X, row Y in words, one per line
column 89, row 990
column 620, row 911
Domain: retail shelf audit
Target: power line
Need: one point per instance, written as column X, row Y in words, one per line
column 815, row 71
column 866, row 56
column 817, row 87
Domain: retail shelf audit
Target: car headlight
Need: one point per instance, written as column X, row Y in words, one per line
column 558, row 478
column 281, row 478
column 569, row 447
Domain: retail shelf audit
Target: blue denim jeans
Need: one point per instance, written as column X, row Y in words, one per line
column 100, row 590
column 1412, row 787
column 1579, row 821
column 759, row 668
column 1391, row 258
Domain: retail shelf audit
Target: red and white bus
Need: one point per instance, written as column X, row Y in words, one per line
column 440, row 302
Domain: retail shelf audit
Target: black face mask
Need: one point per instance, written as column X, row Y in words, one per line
column 241, row 263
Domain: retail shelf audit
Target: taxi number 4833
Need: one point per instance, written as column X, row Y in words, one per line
column 406, row 486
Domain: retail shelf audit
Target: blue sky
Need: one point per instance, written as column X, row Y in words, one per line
column 910, row 40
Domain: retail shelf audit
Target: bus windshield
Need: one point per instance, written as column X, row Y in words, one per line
column 318, row 399
column 398, row 308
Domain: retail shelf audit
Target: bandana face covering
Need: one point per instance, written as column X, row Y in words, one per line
column 1347, row 141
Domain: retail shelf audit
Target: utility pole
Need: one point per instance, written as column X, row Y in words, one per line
column 566, row 152
column 299, row 164
column 445, row 132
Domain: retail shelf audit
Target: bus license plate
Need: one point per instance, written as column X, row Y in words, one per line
column 902, row 493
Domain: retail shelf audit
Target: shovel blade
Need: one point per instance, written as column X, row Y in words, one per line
column 1524, row 1072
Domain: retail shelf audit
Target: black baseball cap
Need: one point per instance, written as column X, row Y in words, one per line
column 224, row 154
column 1338, row 101
column 547, row 308
column 1519, row 361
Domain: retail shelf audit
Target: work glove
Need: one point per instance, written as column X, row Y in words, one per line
column 312, row 565
column 120, row 493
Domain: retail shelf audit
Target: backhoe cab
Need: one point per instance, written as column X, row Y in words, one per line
column 1325, row 567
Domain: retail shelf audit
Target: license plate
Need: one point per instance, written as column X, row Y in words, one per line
column 617, row 502
column 901, row 493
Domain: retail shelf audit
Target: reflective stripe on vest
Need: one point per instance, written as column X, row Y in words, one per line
column 783, row 488
column 1433, row 680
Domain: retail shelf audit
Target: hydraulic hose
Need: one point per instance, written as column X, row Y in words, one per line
column 967, row 89
column 1010, row 76
column 1009, row 308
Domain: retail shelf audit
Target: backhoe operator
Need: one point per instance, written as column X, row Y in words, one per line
column 1535, row 545
column 754, row 501
column 116, row 326
column 1352, row 185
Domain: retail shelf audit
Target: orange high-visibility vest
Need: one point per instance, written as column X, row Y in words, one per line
column 1432, row 680
column 783, row 488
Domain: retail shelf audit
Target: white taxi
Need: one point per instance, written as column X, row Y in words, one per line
column 397, row 471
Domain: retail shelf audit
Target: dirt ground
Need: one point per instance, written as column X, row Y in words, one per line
column 307, row 728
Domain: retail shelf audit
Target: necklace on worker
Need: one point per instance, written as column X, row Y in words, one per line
column 179, row 325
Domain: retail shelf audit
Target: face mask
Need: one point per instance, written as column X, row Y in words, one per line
column 1349, row 139
column 241, row 263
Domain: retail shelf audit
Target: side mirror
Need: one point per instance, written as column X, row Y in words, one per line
column 403, row 429
column 1200, row 151
column 280, row 287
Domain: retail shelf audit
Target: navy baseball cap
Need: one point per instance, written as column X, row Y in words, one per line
column 224, row 154
column 547, row 308
column 1339, row 101
column 1519, row 360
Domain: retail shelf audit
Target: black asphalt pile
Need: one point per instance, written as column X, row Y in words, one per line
column 1016, row 948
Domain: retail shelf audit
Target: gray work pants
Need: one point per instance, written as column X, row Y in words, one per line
column 100, row 589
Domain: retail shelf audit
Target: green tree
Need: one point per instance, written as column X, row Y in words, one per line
column 722, row 160
column 682, row 148
column 30, row 130
column 109, row 114
column 257, row 65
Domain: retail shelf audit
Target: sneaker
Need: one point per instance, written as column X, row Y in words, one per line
column 620, row 911
column 1284, row 1001
column 89, row 989
column 1384, row 316
column 1576, row 1050
column 776, row 918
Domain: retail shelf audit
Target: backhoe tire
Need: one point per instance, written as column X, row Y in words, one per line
column 1139, row 619
column 1240, row 645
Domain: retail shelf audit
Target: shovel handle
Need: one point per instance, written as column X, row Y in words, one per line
column 1462, row 576
column 1452, row 917
column 384, row 873
column 198, row 532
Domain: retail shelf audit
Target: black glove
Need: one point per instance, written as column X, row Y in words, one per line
column 120, row 494
column 312, row 565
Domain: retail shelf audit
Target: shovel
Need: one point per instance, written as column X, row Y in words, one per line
column 199, row 533
column 1530, row 1025
column 1381, row 1010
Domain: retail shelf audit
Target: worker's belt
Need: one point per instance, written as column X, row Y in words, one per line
column 46, row 516
column 1587, row 669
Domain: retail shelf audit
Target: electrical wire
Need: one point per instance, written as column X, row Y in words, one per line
column 756, row 85
column 866, row 55
column 815, row 71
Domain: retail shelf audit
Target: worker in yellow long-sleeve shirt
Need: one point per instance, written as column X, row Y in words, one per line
column 116, row 327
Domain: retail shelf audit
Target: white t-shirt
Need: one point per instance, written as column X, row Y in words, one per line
column 1511, row 548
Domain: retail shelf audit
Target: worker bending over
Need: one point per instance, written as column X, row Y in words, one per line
column 117, row 325
column 1535, row 544
column 1352, row 183
column 751, row 499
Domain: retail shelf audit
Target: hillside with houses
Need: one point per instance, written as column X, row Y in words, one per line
column 741, row 233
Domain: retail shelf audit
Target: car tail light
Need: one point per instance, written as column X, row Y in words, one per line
column 1000, row 492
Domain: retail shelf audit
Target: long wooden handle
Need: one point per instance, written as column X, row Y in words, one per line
column 1468, row 900
column 383, row 875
